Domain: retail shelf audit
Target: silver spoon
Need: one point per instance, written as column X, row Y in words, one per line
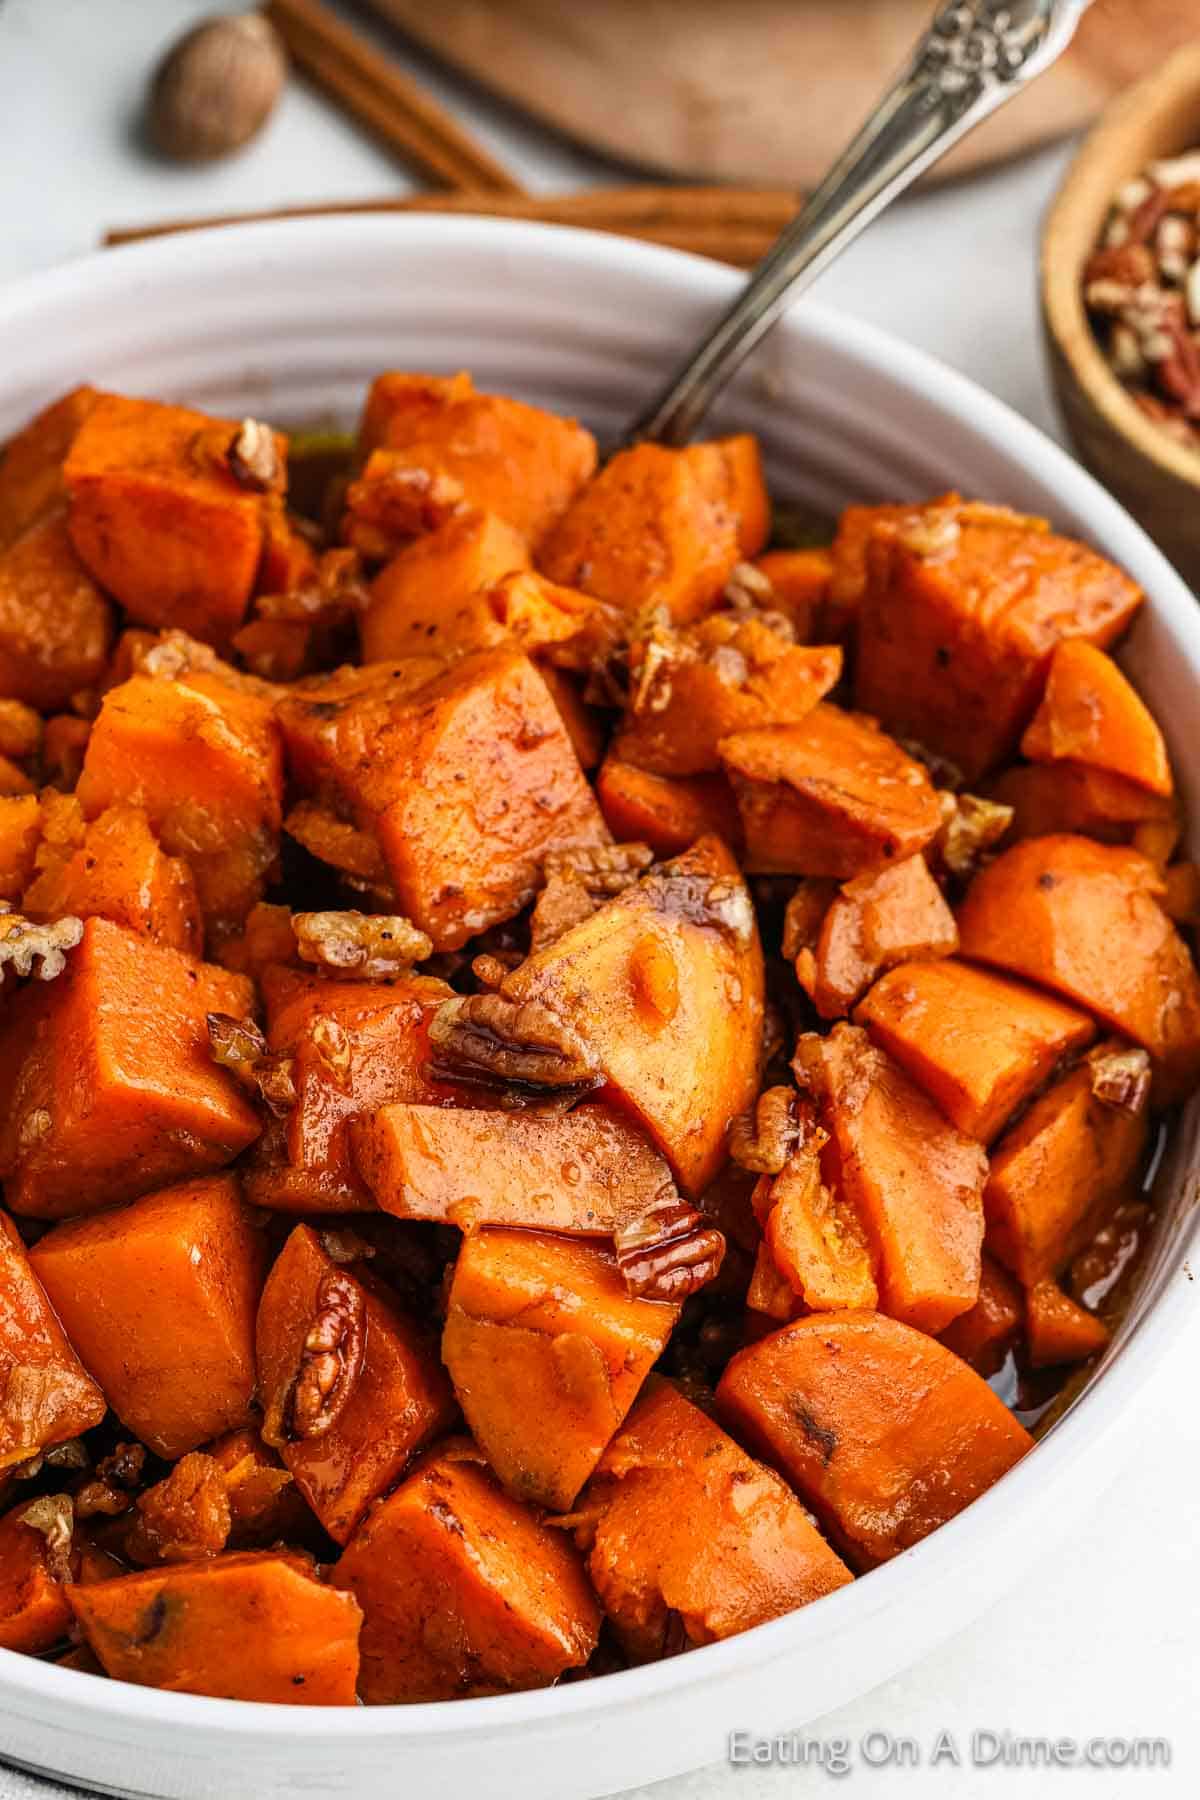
column 976, row 55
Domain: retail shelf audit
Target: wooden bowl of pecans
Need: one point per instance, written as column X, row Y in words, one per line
column 1120, row 272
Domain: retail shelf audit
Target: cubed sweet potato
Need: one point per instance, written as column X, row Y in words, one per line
column 848, row 565
column 885, row 917
column 117, row 870
column 669, row 965
column 466, row 780
column 684, row 1529
column 730, row 469
column 668, row 813
column 584, row 724
column 463, row 1589
column 1062, row 1170
column 432, row 597
column 516, row 460
column 20, row 834
column 34, row 1611
column 388, row 1395
column 915, row 1182
column 55, row 624
column 962, row 609
column 159, row 1297
column 1047, row 798
column 249, row 1625
column 181, row 1518
column 46, row 1396
column 1085, row 919
column 799, row 586
column 815, row 1237
column 109, row 1087
column 31, row 478
column 1091, row 714
column 978, row 1043
column 881, row 1430
column 984, row 1336
column 160, row 516
column 1058, row 1329
column 833, row 796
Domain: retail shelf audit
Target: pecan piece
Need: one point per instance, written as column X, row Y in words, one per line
column 54, row 1516
column 971, row 826
column 239, row 1046
column 368, row 946
column 37, row 950
column 1121, row 1078
column 254, row 456
column 763, row 1140
column 503, row 1040
column 670, row 1252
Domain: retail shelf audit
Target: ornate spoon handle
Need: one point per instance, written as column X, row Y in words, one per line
column 976, row 55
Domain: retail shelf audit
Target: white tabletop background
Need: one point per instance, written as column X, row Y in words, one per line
column 1105, row 1639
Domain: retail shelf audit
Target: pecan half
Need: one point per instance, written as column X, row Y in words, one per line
column 506, row 1040
column 670, row 1252
column 369, row 946
column 1121, row 1078
column 331, row 1358
column 763, row 1140
column 37, row 950
column 239, row 1046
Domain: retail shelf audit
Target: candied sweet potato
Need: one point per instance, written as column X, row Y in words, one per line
column 962, row 609
column 160, row 516
column 463, row 1589
column 915, row 1182
column 31, row 477
column 1085, row 919
column 668, row 813
column 432, row 597
column 683, row 1528
column 34, row 1611
column 1058, row 1329
column 1048, row 798
column 265, row 1505
column 799, row 586
column 20, row 833
column 467, row 780
column 885, row 917
column 159, row 1297
column 672, row 963
column 249, row 1625
column 55, row 624
column 182, row 1518
column 814, row 1236
column 109, row 1086
column 832, row 796
column 46, row 1396
column 547, row 1350
column 730, row 470
column 388, row 1395
column 881, row 1430
column 985, row 1334
column 1091, row 714
column 848, row 564
column 978, row 1043
column 117, row 870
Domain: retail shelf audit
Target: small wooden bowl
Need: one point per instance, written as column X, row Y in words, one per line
column 1157, row 479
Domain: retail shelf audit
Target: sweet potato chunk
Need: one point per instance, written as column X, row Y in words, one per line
column 814, row 1236
column 730, row 469
column 1061, row 1172
column 979, row 1044
column 109, row 1086
column 586, row 1172
column 653, row 528
column 34, row 1611
column 1085, row 919
column 432, row 597
column 984, row 1335
column 885, row 917
column 115, row 869
column 683, row 1528
column 389, row 1395
column 158, row 1297
column 546, row 1350
column 848, row 564
column 913, row 1180
column 1058, row 1330
column 668, row 813
column 664, row 987
column 466, row 780
column 55, row 624
column 881, row 1430
column 1091, row 714
column 799, row 585
column 20, row 832
column 265, row 1504
column 160, row 518
column 962, row 609
column 833, row 796
column 46, row 1396
column 518, row 461
column 250, row 1625
column 1047, row 798
column 203, row 758
column 463, row 1589
column 31, row 477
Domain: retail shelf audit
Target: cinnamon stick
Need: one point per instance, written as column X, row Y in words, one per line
column 384, row 100
column 734, row 225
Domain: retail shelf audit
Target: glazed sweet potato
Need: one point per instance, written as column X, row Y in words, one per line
column 55, row 623
column 978, row 1043
column 546, row 1350
column 882, row 1431
column 466, row 781
column 1048, row 798
column 815, row 1238
column 432, row 597
column 182, row 1518
column 885, row 917
column 348, row 1439
column 167, row 514
column 506, row 457
column 1085, row 920
column 31, row 477
column 109, row 1087
column 684, row 1530
column 672, row 962
column 114, row 868
column 250, row 1625
column 463, row 1589
column 833, row 796
column 586, row 1173
column 984, row 1336
column 46, row 1396
column 914, row 1182
column 1091, row 714
column 1067, row 1163
column 34, row 1611
column 20, row 834
column 159, row 1297
column 1058, row 1329
column 799, row 586
column 667, row 813
column 848, row 564
column 265, row 1505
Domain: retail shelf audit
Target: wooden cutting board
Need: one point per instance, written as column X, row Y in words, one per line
column 758, row 90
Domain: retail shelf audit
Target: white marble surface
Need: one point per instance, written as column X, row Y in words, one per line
column 1103, row 1642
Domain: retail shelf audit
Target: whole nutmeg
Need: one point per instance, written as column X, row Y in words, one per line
column 216, row 87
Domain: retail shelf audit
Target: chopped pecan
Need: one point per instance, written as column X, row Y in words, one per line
column 36, row 950
column 182, row 1518
column 670, row 1252
column 331, row 1359
column 721, row 902
column 491, row 967
column 239, row 1046
column 54, row 1516
column 509, row 1041
column 368, row 946
column 971, row 826
column 254, row 456
column 747, row 588
column 763, row 1140
column 394, row 501
column 111, row 1489
column 337, row 592
column 652, row 659
column 603, row 868
column 1121, row 1078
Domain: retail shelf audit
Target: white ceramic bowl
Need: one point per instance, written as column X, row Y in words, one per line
column 289, row 322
